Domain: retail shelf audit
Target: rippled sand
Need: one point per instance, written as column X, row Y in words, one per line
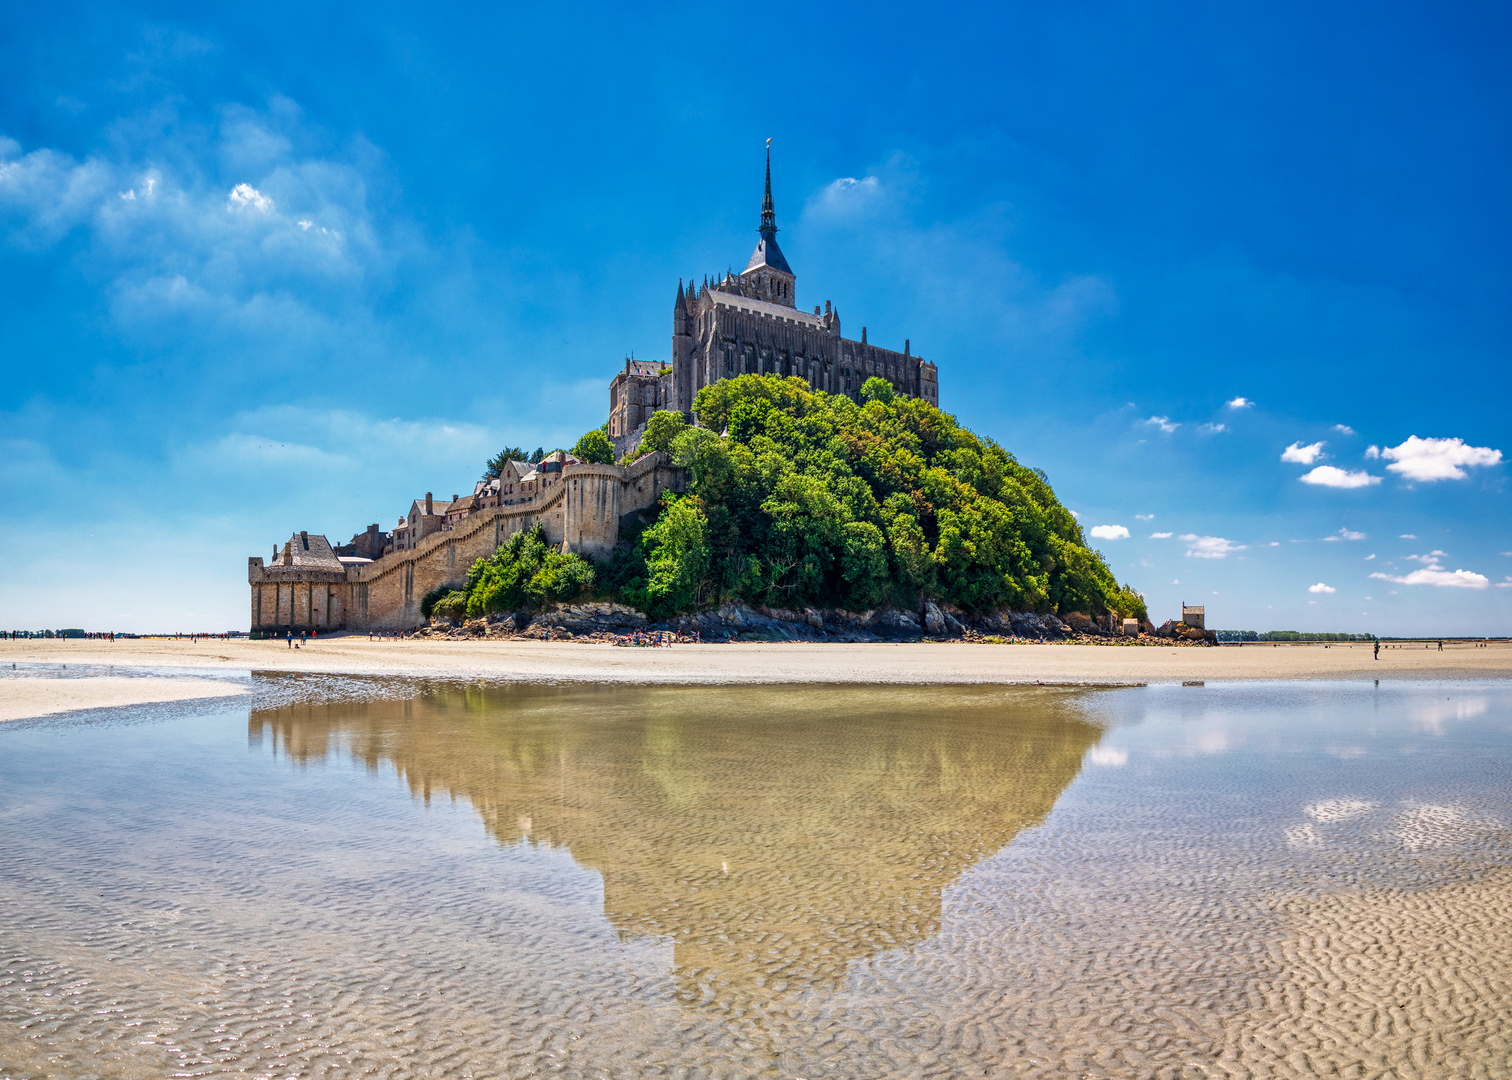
column 776, row 882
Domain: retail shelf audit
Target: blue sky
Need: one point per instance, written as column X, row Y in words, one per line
column 1236, row 276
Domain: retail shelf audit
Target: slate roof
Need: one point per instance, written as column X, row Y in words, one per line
column 312, row 552
column 763, row 307
column 767, row 253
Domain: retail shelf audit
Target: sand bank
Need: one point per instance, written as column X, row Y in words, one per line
column 908, row 664
column 41, row 696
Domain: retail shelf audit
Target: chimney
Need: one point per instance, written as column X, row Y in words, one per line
column 304, row 539
column 429, row 507
column 905, row 346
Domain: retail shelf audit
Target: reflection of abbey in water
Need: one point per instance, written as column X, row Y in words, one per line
column 771, row 848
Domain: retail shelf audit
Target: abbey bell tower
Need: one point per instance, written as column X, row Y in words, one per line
column 768, row 273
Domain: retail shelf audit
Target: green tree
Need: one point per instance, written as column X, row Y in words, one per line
column 677, row 557
column 878, row 389
column 495, row 466
column 526, row 574
column 595, row 447
column 664, row 426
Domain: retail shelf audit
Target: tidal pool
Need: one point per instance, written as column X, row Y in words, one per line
column 356, row 878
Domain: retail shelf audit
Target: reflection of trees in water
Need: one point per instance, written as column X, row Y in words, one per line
column 772, row 834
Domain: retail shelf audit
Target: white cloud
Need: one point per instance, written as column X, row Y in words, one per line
column 1144, row 517
column 1110, row 532
column 1440, row 578
column 245, row 195
column 1164, row 423
column 1344, row 429
column 1321, row 588
column 1160, row 536
column 1411, row 536
column 1372, row 452
column 1370, row 556
column 1302, row 455
column 1428, row 460
column 1504, row 583
column 1331, row 476
column 1239, row 403
column 1345, row 534
column 1430, row 559
column 1212, row 429
column 1210, row 547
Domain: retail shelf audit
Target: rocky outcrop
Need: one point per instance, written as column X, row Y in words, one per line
column 1178, row 631
column 744, row 622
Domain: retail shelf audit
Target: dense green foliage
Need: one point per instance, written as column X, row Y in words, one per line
column 814, row 499
column 524, row 574
column 594, row 447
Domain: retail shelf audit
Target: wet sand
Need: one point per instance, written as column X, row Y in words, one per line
column 918, row 663
column 22, row 698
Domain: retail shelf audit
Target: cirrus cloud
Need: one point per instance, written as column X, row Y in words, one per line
column 1428, row 460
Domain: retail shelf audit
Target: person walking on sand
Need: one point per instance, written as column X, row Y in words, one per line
column 1441, row 644
column 291, row 639
column 1377, row 655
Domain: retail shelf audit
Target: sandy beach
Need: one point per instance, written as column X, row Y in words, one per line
column 22, row 698
column 535, row 661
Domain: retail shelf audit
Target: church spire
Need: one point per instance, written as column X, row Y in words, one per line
column 768, row 214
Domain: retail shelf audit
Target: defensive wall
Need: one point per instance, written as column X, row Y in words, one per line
column 582, row 514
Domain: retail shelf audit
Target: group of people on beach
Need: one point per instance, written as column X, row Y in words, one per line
column 659, row 639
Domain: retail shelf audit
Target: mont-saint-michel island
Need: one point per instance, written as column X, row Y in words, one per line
column 1033, row 603
column 770, row 478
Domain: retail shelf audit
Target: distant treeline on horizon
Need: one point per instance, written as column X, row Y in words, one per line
column 1289, row 635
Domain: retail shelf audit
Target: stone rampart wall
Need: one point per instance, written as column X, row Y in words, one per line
column 583, row 512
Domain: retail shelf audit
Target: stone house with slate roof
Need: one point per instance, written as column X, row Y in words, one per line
column 750, row 323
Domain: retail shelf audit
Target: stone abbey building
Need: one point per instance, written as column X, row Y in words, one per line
column 750, row 324
column 747, row 323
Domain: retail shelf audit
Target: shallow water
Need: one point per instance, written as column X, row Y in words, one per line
column 459, row 880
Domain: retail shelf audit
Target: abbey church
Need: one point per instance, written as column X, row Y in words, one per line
column 750, row 324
